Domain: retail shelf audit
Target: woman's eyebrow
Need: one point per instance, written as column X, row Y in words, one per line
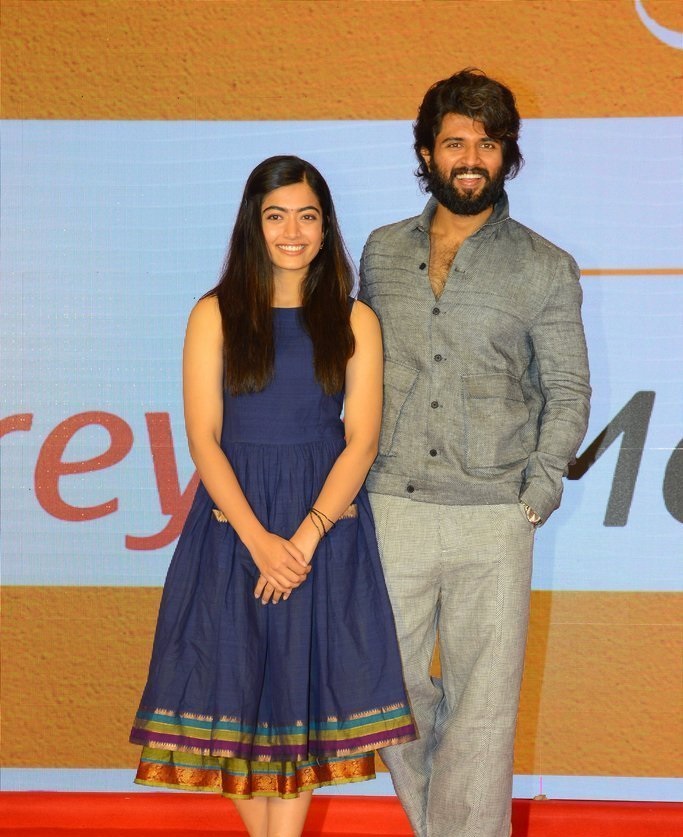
column 290, row 209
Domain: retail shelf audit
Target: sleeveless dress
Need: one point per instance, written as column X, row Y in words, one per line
column 248, row 699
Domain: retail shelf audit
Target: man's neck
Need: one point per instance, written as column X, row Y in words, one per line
column 448, row 225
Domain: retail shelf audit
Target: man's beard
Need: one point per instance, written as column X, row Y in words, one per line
column 465, row 203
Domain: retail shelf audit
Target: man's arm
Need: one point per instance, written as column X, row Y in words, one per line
column 560, row 349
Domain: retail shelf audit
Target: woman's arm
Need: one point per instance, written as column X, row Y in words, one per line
column 278, row 560
column 362, row 419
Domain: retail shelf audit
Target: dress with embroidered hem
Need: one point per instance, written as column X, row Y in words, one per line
column 245, row 699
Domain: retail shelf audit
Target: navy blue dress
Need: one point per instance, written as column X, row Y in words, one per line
column 246, row 699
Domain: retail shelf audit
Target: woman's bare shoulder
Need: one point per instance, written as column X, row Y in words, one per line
column 363, row 317
column 206, row 313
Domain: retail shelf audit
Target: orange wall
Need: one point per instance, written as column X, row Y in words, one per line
column 601, row 695
column 339, row 59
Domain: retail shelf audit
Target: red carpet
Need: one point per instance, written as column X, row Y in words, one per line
column 184, row 815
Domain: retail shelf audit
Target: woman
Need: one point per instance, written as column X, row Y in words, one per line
column 264, row 704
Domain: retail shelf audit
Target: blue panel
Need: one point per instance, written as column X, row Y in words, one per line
column 111, row 231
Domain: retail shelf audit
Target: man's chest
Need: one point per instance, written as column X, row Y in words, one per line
column 479, row 310
column 441, row 256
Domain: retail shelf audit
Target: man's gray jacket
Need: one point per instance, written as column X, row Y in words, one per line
column 486, row 388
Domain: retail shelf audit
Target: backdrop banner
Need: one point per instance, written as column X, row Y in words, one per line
column 111, row 230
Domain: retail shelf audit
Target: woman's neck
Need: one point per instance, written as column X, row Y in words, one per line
column 287, row 291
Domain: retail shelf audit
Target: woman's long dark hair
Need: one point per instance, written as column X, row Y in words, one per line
column 245, row 289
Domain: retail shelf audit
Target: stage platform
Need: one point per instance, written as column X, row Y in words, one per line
column 41, row 814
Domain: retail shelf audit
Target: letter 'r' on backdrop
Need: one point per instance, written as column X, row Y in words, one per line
column 128, row 131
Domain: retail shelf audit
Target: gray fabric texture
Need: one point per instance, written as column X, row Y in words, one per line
column 487, row 388
column 486, row 394
column 467, row 571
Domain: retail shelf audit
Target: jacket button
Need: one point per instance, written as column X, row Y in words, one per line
column 434, row 405
column 436, row 310
column 410, row 489
column 433, row 452
column 438, row 358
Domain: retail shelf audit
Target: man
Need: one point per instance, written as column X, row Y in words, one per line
column 486, row 402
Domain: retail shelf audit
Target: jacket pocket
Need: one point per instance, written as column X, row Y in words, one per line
column 496, row 417
column 399, row 380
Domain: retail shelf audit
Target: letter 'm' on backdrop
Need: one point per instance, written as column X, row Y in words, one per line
column 128, row 131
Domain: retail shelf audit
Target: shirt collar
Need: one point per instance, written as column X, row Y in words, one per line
column 501, row 212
